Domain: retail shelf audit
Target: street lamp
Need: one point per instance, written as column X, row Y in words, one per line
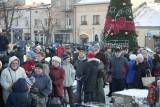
column 93, row 29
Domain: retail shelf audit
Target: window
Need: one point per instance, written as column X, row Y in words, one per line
column 84, row 20
column 45, row 22
column 36, row 22
column 16, row 22
column 96, row 19
column 26, row 21
column 58, row 3
column 68, row 21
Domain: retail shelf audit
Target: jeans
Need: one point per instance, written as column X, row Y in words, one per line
column 152, row 105
column 70, row 95
column 89, row 97
column 79, row 90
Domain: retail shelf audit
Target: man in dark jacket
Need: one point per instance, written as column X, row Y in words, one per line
column 119, row 66
column 80, row 65
column 3, row 44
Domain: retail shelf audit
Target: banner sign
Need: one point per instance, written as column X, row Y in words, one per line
column 117, row 43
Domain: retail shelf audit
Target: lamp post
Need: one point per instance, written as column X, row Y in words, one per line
column 93, row 29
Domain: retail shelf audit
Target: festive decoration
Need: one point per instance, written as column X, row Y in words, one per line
column 112, row 9
column 124, row 4
column 114, row 25
column 119, row 25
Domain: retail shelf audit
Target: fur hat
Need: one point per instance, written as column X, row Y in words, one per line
column 118, row 49
column 91, row 55
column 40, row 65
column 132, row 57
column 56, row 58
column 31, row 53
column 140, row 56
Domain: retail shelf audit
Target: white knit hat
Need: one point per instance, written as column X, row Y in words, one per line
column 132, row 57
column 56, row 58
column 140, row 56
column 30, row 81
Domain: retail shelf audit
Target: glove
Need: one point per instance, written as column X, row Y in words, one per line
column 10, row 88
column 34, row 90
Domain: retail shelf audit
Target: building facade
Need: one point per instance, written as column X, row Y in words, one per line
column 64, row 28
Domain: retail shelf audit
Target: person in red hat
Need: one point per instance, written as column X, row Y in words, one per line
column 90, row 77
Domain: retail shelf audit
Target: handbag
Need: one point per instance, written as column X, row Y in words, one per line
column 148, row 79
column 108, row 77
column 54, row 102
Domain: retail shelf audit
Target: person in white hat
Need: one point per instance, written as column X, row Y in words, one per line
column 57, row 75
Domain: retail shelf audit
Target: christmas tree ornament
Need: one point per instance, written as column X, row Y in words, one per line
column 124, row 4
column 126, row 33
column 130, row 17
column 112, row 34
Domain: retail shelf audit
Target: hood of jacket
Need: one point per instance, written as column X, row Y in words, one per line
column 95, row 61
column 11, row 59
column 20, row 85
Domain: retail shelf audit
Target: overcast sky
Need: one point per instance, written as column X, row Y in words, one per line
column 45, row 1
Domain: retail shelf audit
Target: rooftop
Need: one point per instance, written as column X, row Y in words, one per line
column 91, row 2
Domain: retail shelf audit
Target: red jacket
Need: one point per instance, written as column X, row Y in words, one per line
column 57, row 76
column 60, row 51
column 28, row 65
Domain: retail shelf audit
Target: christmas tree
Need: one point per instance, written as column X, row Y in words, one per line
column 119, row 29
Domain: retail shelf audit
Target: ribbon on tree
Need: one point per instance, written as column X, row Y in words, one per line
column 119, row 24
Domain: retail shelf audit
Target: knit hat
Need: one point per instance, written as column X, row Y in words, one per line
column 140, row 56
column 96, row 46
column 30, row 81
column 132, row 57
column 91, row 55
column 31, row 53
column 65, row 56
column 56, row 58
column 82, row 51
column 41, row 53
column 40, row 65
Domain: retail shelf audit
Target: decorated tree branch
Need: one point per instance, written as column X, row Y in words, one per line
column 119, row 29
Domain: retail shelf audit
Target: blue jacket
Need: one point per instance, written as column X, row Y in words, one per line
column 130, row 73
column 19, row 97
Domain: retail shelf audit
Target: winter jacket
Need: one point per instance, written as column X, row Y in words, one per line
column 8, row 77
column 57, row 76
column 45, row 65
column 90, row 75
column 156, row 66
column 140, row 69
column 28, row 65
column 153, row 94
column 80, row 66
column 130, row 73
column 4, row 43
column 69, row 74
column 19, row 96
column 60, row 51
column 43, row 83
column 118, row 67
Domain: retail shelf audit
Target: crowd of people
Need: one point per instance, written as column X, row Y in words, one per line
column 50, row 71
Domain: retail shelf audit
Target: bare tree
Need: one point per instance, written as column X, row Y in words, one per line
column 7, row 16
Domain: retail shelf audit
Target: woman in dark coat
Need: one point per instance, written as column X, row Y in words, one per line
column 57, row 75
column 156, row 65
column 90, row 77
column 19, row 97
column 141, row 67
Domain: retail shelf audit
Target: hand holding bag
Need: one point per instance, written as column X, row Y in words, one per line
column 108, row 77
column 148, row 79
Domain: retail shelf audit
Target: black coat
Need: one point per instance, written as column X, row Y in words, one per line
column 141, row 71
column 4, row 43
column 19, row 97
column 90, row 75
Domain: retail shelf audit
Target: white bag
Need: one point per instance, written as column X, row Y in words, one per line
column 148, row 80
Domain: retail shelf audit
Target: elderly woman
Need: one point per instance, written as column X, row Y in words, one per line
column 57, row 75
column 141, row 68
column 42, row 86
column 10, row 75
